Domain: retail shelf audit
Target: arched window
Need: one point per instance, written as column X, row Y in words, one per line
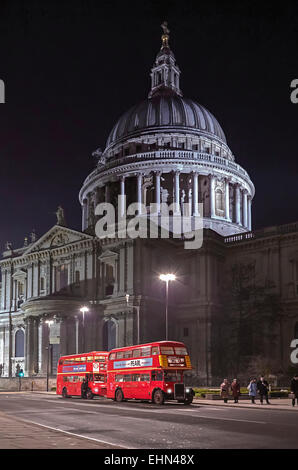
column 109, row 335
column 219, row 200
column 19, row 344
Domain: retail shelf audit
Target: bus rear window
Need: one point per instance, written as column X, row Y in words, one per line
column 166, row 350
column 101, row 358
column 181, row 351
column 112, row 356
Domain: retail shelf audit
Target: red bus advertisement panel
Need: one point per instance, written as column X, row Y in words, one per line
column 90, row 368
column 153, row 372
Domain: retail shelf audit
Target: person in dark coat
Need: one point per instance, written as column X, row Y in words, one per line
column 263, row 388
column 294, row 389
column 235, row 387
column 84, row 387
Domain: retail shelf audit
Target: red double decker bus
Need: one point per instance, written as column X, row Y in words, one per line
column 74, row 368
column 153, row 372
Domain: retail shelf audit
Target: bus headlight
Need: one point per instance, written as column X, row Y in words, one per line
column 169, row 390
column 187, row 390
column 96, row 390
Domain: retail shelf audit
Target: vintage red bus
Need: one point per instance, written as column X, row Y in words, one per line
column 153, row 371
column 74, row 368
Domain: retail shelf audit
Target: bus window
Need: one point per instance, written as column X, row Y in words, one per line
column 119, row 378
column 90, row 377
column 65, row 378
column 90, row 359
column 60, row 362
column 120, row 355
column 136, row 378
column 99, row 378
column 136, row 353
column 145, row 377
column 127, row 378
column 166, row 350
column 181, row 351
column 112, row 356
column 127, row 354
column 156, row 375
column 154, row 350
column 102, row 358
column 145, row 351
column 172, row 376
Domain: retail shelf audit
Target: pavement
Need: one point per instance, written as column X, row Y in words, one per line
column 275, row 404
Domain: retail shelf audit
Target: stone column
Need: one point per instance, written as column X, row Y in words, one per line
column 177, row 192
column 249, row 212
column 227, row 199
column 122, row 196
column 84, row 214
column 212, row 196
column 45, row 337
column 35, row 346
column 29, row 346
column 238, row 221
column 244, row 209
column 195, row 193
column 139, row 192
column 157, row 190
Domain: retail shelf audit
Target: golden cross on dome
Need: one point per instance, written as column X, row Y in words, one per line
column 164, row 26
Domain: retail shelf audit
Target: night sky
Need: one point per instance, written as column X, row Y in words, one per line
column 72, row 68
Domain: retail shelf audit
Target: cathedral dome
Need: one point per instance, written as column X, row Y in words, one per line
column 165, row 111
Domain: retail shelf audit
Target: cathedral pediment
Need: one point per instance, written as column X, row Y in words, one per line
column 56, row 237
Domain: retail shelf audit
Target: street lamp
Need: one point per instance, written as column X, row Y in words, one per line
column 49, row 323
column 167, row 278
column 84, row 310
column 137, row 307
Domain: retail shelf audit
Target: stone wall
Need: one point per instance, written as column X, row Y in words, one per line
column 27, row 383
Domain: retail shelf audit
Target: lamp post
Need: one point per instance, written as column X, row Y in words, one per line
column 84, row 310
column 137, row 307
column 49, row 323
column 167, row 278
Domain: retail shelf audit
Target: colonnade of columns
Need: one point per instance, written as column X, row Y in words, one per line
column 239, row 212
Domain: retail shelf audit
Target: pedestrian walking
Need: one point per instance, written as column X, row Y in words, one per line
column 224, row 390
column 235, row 387
column 294, row 389
column 84, row 387
column 252, row 390
column 263, row 388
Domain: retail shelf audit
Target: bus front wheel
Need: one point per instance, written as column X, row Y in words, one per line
column 89, row 394
column 188, row 401
column 158, row 397
column 64, row 393
column 119, row 395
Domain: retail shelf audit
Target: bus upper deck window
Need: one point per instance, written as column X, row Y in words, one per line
column 146, row 351
column 154, row 350
column 166, row 350
column 136, row 353
column 181, row 351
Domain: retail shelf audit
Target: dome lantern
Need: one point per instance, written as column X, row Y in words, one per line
column 165, row 74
